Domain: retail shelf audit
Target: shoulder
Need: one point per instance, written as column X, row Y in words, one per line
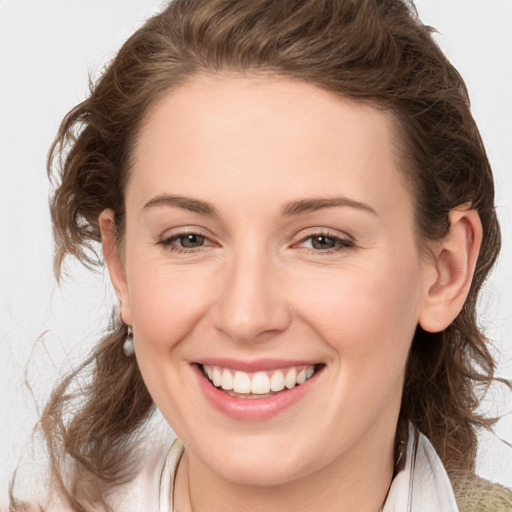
column 138, row 491
column 142, row 492
column 479, row 495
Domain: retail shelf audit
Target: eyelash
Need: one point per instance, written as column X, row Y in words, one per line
column 339, row 244
column 169, row 243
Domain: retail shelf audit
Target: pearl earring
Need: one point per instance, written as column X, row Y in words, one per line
column 128, row 346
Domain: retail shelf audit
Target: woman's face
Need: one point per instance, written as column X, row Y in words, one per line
column 269, row 235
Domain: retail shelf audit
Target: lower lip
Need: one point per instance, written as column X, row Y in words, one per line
column 252, row 409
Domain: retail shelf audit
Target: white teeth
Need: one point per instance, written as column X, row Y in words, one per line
column 226, row 382
column 216, row 377
column 277, row 381
column 291, row 378
column 259, row 383
column 241, row 383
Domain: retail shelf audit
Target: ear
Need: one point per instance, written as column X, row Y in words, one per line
column 115, row 264
column 454, row 263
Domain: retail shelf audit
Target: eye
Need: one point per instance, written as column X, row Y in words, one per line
column 190, row 240
column 185, row 242
column 322, row 242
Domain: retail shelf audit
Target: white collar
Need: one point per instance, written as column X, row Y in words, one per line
column 422, row 486
column 168, row 476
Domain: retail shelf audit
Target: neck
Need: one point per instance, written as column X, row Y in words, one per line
column 352, row 482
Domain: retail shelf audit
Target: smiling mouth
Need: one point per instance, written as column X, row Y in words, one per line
column 261, row 384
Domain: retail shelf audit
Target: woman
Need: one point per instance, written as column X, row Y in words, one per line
column 297, row 214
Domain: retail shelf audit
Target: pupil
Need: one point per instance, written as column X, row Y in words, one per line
column 323, row 242
column 192, row 240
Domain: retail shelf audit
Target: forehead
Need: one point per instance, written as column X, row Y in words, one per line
column 267, row 134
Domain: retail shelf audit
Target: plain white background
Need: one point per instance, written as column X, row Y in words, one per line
column 47, row 50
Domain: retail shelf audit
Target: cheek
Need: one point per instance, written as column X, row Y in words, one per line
column 167, row 306
column 367, row 315
column 166, row 303
column 368, row 320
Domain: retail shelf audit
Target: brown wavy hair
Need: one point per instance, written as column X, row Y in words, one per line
column 374, row 51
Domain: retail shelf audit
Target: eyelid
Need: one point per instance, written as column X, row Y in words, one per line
column 177, row 231
column 306, row 233
column 344, row 240
column 169, row 236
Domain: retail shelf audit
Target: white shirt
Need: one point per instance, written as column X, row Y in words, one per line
column 422, row 486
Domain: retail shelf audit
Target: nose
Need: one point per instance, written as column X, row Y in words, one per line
column 251, row 305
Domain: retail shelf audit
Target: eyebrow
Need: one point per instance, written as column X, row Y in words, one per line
column 311, row 205
column 187, row 203
column 293, row 208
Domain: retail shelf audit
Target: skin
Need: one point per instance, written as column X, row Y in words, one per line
column 259, row 287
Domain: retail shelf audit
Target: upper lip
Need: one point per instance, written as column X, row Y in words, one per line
column 254, row 365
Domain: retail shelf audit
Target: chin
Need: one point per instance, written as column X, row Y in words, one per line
column 271, row 472
column 262, row 462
